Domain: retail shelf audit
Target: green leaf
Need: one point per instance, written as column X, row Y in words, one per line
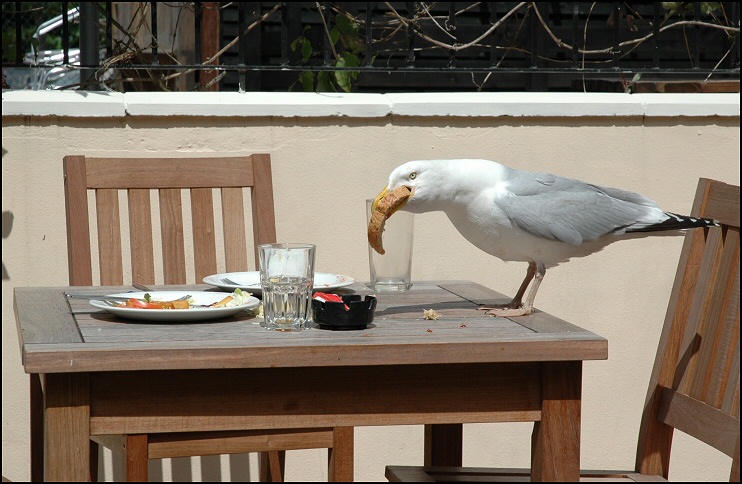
column 324, row 82
column 334, row 35
column 350, row 59
column 354, row 44
column 307, row 81
column 295, row 44
column 306, row 50
column 345, row 78
column 709, row 7
column 305, row 45
column 345, row 25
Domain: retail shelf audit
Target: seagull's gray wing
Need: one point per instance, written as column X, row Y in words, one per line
column 567, row 210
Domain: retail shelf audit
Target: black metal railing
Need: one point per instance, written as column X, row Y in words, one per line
column 370, row 46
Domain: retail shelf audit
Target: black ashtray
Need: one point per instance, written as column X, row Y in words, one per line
column 334, row 315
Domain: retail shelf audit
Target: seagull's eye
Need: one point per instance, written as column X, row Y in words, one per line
column 413, row 175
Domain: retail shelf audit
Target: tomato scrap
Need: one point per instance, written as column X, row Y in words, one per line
column 327, row 297
column 141, row 304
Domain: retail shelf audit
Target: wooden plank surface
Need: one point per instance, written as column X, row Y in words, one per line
column 109, row 237
column 43, row 316
column 66, row 433
column 399, row 334
column 296, row 397
column 556, row 438
column 79, row 263
column 125, row 173
column 141, row 242
column 171, row 230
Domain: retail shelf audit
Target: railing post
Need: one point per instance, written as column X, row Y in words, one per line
column 89, row 44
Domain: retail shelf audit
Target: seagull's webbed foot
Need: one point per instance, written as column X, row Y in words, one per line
column 510, row 312
column 536, row 273
column 514, row 304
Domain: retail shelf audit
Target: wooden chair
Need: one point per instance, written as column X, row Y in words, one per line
column 694, row 386
column 168, row 178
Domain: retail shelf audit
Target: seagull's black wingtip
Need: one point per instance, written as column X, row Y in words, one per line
column 677, row 222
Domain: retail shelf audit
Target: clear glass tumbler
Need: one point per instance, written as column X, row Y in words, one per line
column 287, row 279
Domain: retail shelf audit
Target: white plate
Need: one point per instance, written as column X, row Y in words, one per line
column 176, row 315
column 250, row 281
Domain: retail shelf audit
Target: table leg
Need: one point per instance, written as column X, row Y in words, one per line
column 136, row 461
column 37, row 427
column 341, row 455
column 67, row 427
column 443, row 445
column 556, row 438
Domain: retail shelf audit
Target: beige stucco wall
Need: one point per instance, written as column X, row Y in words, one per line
column 325, row 166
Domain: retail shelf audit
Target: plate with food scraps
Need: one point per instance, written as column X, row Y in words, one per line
column 202, row 306
column 250, row 281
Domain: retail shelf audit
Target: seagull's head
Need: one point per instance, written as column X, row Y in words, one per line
column 425, row 179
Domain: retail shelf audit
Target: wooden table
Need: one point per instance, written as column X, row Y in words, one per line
column 102, row 375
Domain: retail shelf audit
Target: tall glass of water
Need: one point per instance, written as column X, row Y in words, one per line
column 287, row 278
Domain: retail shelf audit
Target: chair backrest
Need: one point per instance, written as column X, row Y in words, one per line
column 694, row 385
column 164, row 180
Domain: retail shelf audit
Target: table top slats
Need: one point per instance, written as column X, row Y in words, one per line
column 43, row 316
column 61, row 336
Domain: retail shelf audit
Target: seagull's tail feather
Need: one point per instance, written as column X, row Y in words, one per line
column 674, row 222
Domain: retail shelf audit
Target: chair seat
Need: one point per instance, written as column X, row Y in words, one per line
column 484, row 474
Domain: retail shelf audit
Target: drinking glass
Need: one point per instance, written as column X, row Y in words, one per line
column 392, row 271
column 287, row 278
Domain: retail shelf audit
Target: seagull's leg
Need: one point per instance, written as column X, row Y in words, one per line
column 517, row 300
column 539, row 276
column 527, row 307
column 530, row 273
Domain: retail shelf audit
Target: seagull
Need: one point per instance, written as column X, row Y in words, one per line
column 538, row 218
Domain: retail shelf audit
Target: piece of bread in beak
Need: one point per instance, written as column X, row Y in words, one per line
column 386, row 206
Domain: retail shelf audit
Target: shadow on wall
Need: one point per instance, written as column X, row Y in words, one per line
column 7, row 227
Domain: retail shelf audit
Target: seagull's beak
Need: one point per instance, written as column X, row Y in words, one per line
column 383, row 194
column 379, row 197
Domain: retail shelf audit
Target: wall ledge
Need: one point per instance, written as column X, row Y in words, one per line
column 360, row 105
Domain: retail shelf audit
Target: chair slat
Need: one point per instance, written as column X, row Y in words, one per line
column 734, row 474
column 719, row 203
column 233, row 221
column 184, row 444
column 204, row 238
column 109, row 237
column 705, row 323
column 171, row 228
column 79, row 258
column 716, row 359
column 730, row 403
column 698, row 419
column 140, row 237
column 264, row 218
column 157, row 173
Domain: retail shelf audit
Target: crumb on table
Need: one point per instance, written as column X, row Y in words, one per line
column 431, row 314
